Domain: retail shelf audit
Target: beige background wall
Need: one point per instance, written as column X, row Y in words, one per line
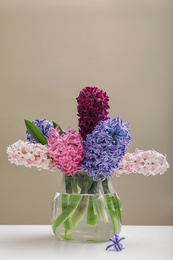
column 49, row 51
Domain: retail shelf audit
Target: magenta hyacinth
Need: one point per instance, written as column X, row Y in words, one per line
column 92, row 106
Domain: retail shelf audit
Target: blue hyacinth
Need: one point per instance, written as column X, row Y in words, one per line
column 43, row 125
column 104, row 148
column 116, row 243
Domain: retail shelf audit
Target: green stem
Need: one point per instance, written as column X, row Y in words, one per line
column 73, row 203
column 68, row 186
column 117, row 206
column 100, row 207
column 95, row 188
column 65, row 203
column 92, row 218
column 74, row 185
column 85, row 183
column 105, row 186
column 80, row 211
column 71, row 184
column 114, row 215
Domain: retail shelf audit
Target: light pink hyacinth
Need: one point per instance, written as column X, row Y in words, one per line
column 66, row 150
column 29, row 154
column 143, row 162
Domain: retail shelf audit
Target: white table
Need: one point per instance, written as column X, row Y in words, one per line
column 38, row 242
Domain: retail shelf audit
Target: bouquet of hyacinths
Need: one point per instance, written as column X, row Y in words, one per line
column 88, row 160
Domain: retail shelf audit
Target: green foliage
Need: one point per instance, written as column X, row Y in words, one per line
column 60, row 129
column 35, row 132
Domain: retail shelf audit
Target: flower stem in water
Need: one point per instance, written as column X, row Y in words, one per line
column 80, row 211
column 92, row 218
column 73, row 203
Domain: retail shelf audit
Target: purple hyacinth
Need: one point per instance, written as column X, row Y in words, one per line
column 92, row 108
column 104, row 148
column 43, row 125
column 116, row 243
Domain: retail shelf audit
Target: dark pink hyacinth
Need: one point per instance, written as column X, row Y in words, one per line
column 66, row 150
column 92, row 106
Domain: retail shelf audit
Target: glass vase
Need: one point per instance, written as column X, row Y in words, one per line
column 86, row 210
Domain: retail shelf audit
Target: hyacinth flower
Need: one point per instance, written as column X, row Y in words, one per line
column 105, row 147
column 116, row 243
column 66, row 150
column 92, row 107
column 143, row 162
column 29, row 155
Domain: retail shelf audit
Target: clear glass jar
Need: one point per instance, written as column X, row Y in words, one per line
column 86, row 210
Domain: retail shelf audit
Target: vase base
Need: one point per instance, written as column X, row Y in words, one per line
column 82, row 240
column 88, row 234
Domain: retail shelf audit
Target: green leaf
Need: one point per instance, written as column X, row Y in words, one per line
column 74, row 201
column 35, row 132
column 60, row 129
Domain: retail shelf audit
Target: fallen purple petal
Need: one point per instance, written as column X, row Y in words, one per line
column 116, row 243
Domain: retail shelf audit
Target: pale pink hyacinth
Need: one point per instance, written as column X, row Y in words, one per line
column 143, row 162
column 29, row 154
column 66, row 150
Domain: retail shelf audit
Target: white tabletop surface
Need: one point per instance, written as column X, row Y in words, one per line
column 38, row 242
